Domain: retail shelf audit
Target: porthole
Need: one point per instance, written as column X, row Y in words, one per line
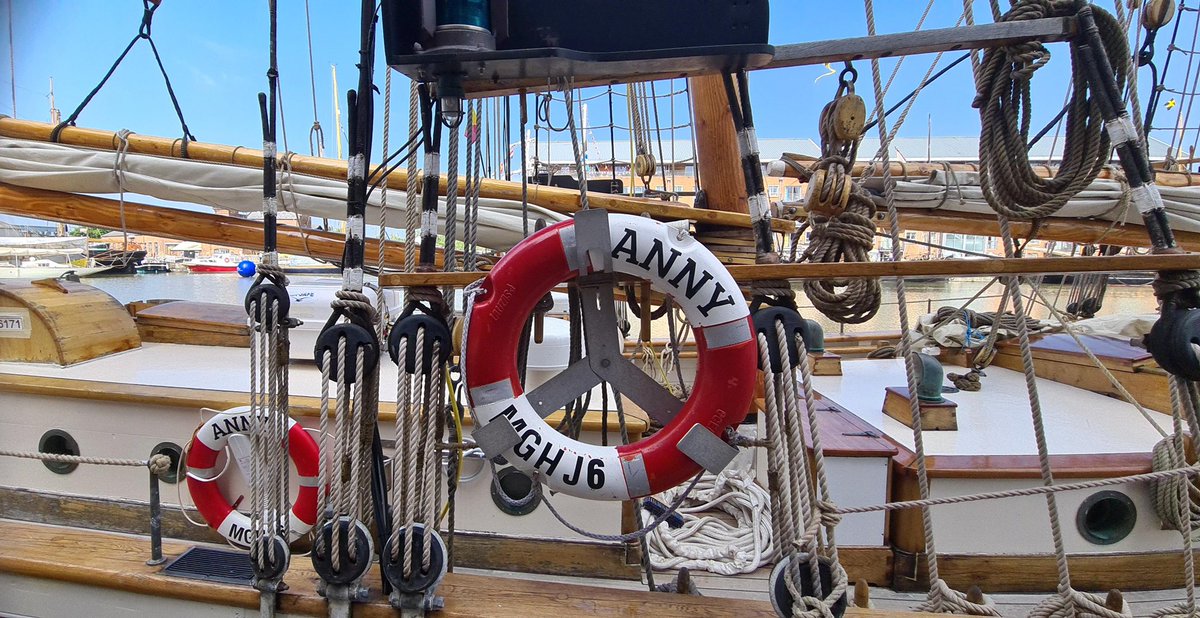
column 512, row 492
column 58, row 442
column 175, row 453
column 1106, row 517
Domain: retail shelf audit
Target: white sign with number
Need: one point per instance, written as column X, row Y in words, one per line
column 14, row 324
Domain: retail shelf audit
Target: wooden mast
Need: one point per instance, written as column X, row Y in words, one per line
column 718, row 163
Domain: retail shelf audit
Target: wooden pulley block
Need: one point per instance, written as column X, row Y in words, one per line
column 849, row 116
column 1158, row 13
column 644, row 166
column 827, row 195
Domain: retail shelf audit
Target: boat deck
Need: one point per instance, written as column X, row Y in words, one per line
column 996, row 420
column 116, row 562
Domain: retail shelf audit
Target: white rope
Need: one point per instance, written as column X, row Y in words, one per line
column 159, row 464
column 941, row 597
column 709, row 541
column 119, row 173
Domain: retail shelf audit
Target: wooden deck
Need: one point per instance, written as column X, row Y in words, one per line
column 115, row 561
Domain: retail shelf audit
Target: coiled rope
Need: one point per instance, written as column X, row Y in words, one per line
column 711, row 542
column 840, row 215
column 1005, row 109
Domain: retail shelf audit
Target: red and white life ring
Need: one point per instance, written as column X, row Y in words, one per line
column 675, row 264
column 208, row 442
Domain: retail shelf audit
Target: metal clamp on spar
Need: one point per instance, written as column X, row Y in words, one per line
column 592, row 247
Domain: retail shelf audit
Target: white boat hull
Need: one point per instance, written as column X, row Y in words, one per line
column 41, row 272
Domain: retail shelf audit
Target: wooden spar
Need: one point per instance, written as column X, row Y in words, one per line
column 923, row 42
column 563, row 201
column 858, row 270
column 718, row 163
column 837, row 50
column 1162, row 178
column 175, row 223
column 1058, row 229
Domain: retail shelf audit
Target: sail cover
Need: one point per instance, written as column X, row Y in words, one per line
column 56, row 167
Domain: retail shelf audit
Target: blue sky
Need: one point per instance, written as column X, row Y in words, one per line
column 215, row 52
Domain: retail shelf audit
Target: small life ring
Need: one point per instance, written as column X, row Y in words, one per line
column 675, row 264
column 208, row 442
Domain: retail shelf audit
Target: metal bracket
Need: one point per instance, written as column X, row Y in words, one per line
column 706, row 449
column 563, row 388
column 592, row 241
column 604, row 351
column 496, row 438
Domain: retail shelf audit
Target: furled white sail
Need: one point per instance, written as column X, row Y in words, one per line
column 71, row 169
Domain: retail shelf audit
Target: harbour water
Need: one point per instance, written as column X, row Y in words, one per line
column 923, row 297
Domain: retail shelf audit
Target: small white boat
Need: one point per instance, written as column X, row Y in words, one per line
column 30, row 257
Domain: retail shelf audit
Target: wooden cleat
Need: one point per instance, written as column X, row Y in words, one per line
column 862, row 594
column 942, row 415
column 825, row 363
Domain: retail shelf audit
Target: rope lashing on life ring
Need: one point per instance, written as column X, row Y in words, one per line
column 694, row 431
column 208, row 442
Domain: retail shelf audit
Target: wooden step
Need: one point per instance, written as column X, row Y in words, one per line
column 117, row 562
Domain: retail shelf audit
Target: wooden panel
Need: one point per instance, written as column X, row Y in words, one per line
column 999, row 574
column 472, row 550
column 1151, row 389
column 212, row 317
column 1096, row 465
column 59, row 332
column 118, row 562
column 220, row 400
column 844, row 434
column 1116, row 354
column 943, row 416
column 194, row 323
column 112, row 561
column 166, row 334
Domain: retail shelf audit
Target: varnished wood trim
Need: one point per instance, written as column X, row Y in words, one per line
column 1039, row 573
column 180, row 397
column 118, row 562
column 861, row 270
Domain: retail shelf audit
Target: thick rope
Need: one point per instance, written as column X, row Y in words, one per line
column 1004, row 101
column 941, row 597
column 159, row 464
column 840, row 215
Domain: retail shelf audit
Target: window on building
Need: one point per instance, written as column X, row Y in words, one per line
column 910, row 235
column 793, row 192
column 773, row 191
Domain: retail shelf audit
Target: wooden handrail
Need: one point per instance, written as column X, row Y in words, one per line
column 890, row 270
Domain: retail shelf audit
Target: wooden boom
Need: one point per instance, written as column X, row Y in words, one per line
column 181, row 224
column 859, row 270
column 564, row 201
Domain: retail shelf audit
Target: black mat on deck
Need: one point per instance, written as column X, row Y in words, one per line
column 215, row 565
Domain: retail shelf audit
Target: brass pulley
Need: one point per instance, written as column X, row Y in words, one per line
column 828, row 194
column 842, row 121
column 849, row 113
column 1157, row 13
column 644, row 167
